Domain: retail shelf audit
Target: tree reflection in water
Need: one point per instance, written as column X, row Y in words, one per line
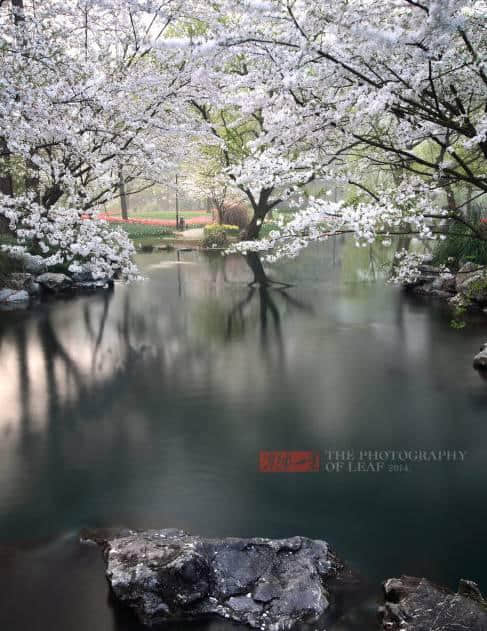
column 147, row 406
column 73, row 356
column 266, row 291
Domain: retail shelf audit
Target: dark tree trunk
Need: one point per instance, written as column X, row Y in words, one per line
column 253, row 229
column 18, row 10
column 450, row 197
column 4, row 225
column 261, row 208
column 468, row 208
column 123, row 197
column 51, row 196
column 6, row 183
column 32, row 180
column 255, row 264
column 219, row 213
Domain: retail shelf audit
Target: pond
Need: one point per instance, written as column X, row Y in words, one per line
column 148, row 407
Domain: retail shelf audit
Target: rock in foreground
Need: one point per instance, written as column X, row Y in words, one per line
column 416, row 604
column 267, row 584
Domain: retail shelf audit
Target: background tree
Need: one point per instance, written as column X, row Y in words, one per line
column 80, row 98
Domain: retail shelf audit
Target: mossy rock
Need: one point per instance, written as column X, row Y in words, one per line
column 474, row 286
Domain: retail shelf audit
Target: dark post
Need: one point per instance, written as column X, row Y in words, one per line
column 177, row 203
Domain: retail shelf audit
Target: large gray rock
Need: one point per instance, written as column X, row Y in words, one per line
column 416, row 604
column 432, row 270
column 427, row 275
column 24, row 280
column 470, row 267
column 433, row 281
column 85, row 281
column 13, row 296
column 445, row 283
column 54, row 282
column 473, row 285
column 480, row 360
column 34, row 264
column 268, row 584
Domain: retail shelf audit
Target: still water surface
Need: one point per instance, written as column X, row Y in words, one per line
column 147, row 407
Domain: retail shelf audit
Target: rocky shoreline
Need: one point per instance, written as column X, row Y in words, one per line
column 26, row 287
column 465, row 289
column 417, row 604
column 267, row 584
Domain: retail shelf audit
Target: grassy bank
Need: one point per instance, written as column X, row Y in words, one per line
column 144, row 232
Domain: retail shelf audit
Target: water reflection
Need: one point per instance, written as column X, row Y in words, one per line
column 148, row 406
column 61, row 359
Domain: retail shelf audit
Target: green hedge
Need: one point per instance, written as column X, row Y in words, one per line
column 140, row 231
column 215, row 228
column 216, row 235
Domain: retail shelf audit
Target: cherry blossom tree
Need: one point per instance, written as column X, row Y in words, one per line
column 237, row 99
column 80, row 100
column 389, row 98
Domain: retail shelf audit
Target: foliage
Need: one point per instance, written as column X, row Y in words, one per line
column 8, row 266
column 141, row 231
column 68, row 238
column 461, row 244
column 236, row 213
column 216, row 235
column 230, row 230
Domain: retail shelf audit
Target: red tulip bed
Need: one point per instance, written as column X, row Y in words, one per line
column 200, row 220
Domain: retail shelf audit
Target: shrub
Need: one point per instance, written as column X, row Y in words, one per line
column 140, row 230
column 460, row 245
column 67, row 236
column 8, row 266
column 216, row 235
column 236, row 214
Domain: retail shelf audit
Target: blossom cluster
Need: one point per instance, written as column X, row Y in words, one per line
column 63, row 237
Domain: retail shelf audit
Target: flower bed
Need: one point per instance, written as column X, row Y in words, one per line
column 201, row 220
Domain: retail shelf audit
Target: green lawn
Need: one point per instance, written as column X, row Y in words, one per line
column 143, row 231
